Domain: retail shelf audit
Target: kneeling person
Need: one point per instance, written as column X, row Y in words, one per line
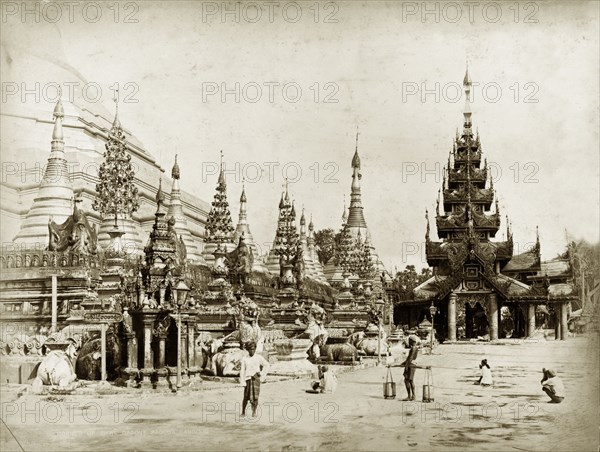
column 553, row 386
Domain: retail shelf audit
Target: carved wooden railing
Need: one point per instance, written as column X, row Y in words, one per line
column 49, row 259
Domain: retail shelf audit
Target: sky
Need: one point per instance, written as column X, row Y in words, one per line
column 282, row 94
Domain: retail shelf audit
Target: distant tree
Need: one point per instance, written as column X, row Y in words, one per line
column 584, row 258
column 325, row 241
column 406, row 281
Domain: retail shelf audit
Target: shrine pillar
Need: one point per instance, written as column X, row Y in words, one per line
column 162, row 339
column 564, row 329
column 493, row 316
column 452, row 317
column 54, row 327
column 190, row 345
column 132, row 350
column 148, row 354
column 184, row 346
column 556, row 323
column 530, row 320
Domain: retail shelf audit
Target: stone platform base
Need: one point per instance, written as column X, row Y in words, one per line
column 293, row 368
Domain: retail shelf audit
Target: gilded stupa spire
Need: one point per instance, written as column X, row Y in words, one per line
column 242, row 229
column 356, row 217
column 55, row 193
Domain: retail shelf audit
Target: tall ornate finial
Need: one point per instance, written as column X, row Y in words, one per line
column 116, row 123
column 467, row 111
column 59, row 113
column 437, row 204
column 221, row 180
column 311, row 226
column 175, row 172
column 427, row 219
column 345, row 214
column 302, row 218
column 287, row 196
column 356, row 158
column 243, row 196
column 160, row 197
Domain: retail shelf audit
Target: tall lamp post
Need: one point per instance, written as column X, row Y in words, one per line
column 181, row 292
column 432, row 311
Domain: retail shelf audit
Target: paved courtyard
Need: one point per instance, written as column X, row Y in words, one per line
column 511, row 415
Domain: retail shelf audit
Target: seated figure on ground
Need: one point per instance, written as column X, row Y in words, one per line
column 327, row 381
column 486, row 374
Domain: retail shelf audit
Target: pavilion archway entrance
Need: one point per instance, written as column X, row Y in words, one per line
column 472, row 314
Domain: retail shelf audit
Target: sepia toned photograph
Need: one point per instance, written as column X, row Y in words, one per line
column 300, row 225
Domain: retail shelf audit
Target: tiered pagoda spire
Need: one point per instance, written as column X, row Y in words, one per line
column 176, row 212
column 467, row 194
column 219, row 225
column 55, row 194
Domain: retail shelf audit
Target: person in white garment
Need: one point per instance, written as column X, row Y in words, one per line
column 486, row 374
column 253, row 371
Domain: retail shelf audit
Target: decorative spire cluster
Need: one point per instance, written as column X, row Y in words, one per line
column 116, row 193
column 363, row 262
column 219, row 226
column 286, row 237
column 345, row 251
